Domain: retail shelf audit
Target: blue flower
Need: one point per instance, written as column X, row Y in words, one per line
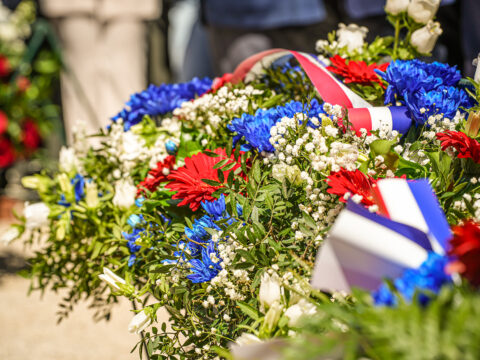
column 177, row 254
column 406, row 77
column 78, row 183
column 208, row 267
column 133, row 247
column 215, row 208
column 198, row 233
column 450, row 75
column 256, row 128
column 135, row 220
column 131, row 260
column 159, row 100
column 63, row 201
column 430, row 276
column 444, row 100
column 139, row 201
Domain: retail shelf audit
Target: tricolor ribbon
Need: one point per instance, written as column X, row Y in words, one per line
column 360, row 113
column 362, row 248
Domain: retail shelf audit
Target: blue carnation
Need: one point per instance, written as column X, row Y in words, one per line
column 159, row 100
column 208, row 267
column 430, row 276
column 255, row 129
column 410, row 76
column 197, row 232
column 444, row 100
column 450, row 75
column 215, row 208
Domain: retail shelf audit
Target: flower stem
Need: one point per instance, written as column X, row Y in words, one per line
column 397, row 36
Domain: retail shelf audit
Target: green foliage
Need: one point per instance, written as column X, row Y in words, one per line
column 445, row 329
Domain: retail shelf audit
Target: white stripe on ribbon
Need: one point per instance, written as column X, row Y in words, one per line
column 381, row 118
column 364, row 256
column 355, row 99
column 401, row 204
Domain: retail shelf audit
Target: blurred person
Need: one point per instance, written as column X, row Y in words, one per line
column 105, row 52
column 238, row 29
column 470, row 13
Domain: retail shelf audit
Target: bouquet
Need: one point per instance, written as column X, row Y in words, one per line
column 211, row 204
column 26, row 85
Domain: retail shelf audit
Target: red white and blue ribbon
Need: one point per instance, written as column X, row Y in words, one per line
column 360, row 113
column 414, row 203
column 382, row 246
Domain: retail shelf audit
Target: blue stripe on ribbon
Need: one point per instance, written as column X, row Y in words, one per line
column 409, row 232
column 400, row 119
column 431, row 211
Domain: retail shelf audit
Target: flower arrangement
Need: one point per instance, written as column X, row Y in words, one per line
column 26, row 85
column 210, row 200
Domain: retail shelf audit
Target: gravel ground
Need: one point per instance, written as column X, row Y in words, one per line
column 28, row 328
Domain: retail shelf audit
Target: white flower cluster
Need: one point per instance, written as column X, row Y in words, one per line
column 234, row 282
column 213, row 109
column 461, row 204
column 126, row 149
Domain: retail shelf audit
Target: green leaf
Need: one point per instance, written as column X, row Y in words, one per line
column 212, row 182
column 248, row 310
column 224, row 353
column 221, row 163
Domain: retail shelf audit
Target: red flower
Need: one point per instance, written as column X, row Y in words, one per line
column 465, row 247
column 156, row 176
column 3, row 122
column 466, row 146
column 353, row 182
column 7, row 153
column 30, row 136
column 218, row 82
column 5, row 67
column 357, row 71
column 187, row 180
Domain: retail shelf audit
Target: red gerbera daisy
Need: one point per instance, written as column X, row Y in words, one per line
column 466, row 146
column 7, row 153
column 357, row 71
column 187, row 180
column 156, row 176
column 465, row 247
column 353, row 182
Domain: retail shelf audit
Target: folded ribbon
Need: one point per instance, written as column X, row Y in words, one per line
column 360, row 113
column 362, row 248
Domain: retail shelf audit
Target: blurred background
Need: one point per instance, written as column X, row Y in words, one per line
column 72, row 64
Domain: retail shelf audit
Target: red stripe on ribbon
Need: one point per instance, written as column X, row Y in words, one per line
column 329, row 89
column 360, row 118
column 246, row 65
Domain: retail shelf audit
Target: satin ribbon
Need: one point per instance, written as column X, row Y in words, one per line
column 362, row 248
column 361, row 114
